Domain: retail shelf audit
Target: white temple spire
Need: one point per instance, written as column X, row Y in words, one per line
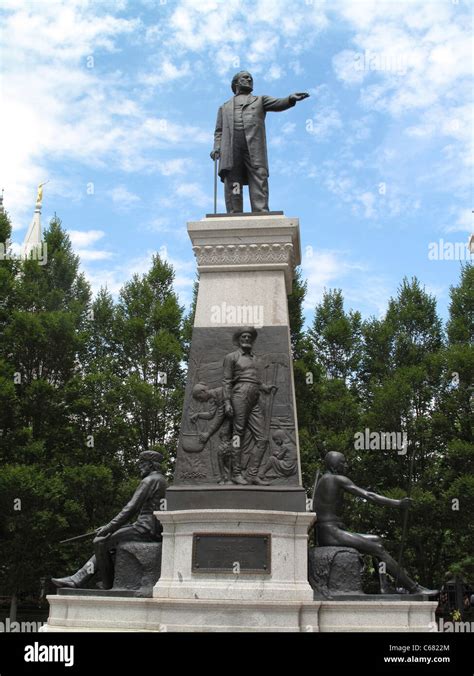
column 33, row 236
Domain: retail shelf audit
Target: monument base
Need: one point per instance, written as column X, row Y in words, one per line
column 372, row 616
column 235, row 555
column 233, row 571
column 94, row 613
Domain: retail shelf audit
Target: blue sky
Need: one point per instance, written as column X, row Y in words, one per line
column 115, row 103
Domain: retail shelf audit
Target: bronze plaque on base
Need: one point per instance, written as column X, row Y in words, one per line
column 248, row 553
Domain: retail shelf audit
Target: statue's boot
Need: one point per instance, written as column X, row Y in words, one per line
column 79, row 578
column 236, row 475
column 222, row 470
column 258, row 481
column 237, row 478
column 401, row 576
column 255, row 461
column 418, row 589
column 410, row 585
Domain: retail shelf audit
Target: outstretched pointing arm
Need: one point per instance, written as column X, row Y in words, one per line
column 375, row 498
column 278, row 105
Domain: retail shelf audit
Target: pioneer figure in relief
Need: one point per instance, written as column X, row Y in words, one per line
column 242, row 390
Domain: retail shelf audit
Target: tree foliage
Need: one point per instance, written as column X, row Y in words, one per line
column 85, row 385
column 402, row 373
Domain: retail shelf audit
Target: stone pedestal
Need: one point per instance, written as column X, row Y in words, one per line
column 246, row 266
column 283, row 572
column 137, row 566
column 335, row 571
column 370, row 616
column 95, row 613
column 247, row 261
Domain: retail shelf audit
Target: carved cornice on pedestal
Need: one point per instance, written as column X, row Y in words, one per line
column 244, row 254
column 247, row 244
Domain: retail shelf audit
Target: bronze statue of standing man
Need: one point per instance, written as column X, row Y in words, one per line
column 240, row 143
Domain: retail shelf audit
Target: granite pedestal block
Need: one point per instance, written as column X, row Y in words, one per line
column 94, row 613
column 281, row 575
column 334, row 571
column 137, row 566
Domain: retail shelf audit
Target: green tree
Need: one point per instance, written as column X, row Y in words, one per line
column 8, row 294
column 149, row 332
column 337, row 338
column 41, row 336
column 454, row 431
column 334, row 345
column 306, row 377
column 188, row 321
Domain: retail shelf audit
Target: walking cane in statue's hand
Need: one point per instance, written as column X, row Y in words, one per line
column 215, row 185
column 81, row 537
column 215, row 156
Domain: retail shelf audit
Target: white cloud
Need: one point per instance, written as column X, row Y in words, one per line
column 160, row 224
column 275, row 72
column 193, row 192
column 164, row 73
column 165, row 225
column 187, row 192
column 324, row 269
column 412, row 62
column 326, row 118
column 114, row 278
column 84, row 238
column 324, row 123
column 123, row 197
column 44, row 48
column 368, row 199
column 464, row 222
column 70, row 29
column 346, row 66
column 360, row 129
column 330, row 269
column 284, row 136
column 93, row 254
column 261, row 47
column 411, row 55
column 178, row 165
column 288, row 128
column 258, row 31
column 370, row 292
column 454, row 121
column 62, row 105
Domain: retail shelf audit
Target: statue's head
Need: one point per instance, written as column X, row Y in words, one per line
column 242, row 81
column 279, row 437
column 201, row 392
column 245, row 337
column 149, row 461
column 335, row 462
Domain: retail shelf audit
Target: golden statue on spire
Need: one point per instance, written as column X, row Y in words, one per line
column 39, row 196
